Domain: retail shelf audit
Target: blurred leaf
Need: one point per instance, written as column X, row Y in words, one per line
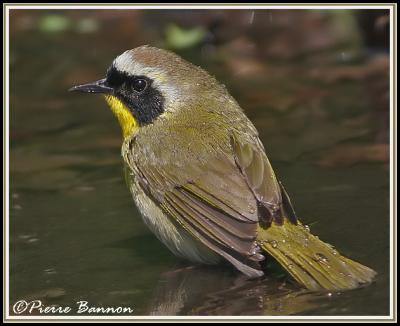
column 54, row 24
column 179, row 38
column 346, row 155
column 376, row 66
column 87, row 25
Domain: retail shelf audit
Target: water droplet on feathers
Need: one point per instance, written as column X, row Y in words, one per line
column 320, row 258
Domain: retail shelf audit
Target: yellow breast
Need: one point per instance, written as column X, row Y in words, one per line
column 127, row 121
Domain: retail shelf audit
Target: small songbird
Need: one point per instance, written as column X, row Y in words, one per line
column 200, row 177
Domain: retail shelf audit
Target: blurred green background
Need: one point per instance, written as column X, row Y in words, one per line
column 314, row 82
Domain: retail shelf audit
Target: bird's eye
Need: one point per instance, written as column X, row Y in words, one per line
column 139, row 85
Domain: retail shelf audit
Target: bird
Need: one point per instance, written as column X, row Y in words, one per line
column 200, row 177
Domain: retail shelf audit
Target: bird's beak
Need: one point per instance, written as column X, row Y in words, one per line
column 98, row 86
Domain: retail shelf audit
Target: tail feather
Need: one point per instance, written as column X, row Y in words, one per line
column 312, row 262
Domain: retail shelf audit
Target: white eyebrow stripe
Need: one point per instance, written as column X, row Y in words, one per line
column 125, row 63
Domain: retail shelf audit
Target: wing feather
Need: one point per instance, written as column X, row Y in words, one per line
column 255, row 166
column 217, row 200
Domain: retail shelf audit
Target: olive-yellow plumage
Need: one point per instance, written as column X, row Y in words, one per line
column 200, row 177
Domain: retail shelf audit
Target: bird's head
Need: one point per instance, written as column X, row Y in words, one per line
column 146, row 83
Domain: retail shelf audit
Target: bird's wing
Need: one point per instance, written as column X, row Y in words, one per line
column 274, row 202
column 215, row 206
column 220, row 200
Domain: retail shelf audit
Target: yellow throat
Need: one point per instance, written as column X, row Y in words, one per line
column 127, row 121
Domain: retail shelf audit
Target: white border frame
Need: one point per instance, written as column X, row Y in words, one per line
column 393, row 158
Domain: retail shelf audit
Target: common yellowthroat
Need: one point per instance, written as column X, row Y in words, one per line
column 200, row 177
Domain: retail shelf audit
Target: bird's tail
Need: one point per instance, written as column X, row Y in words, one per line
column 312, row 262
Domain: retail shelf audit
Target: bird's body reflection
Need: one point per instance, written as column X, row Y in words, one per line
column 202, row 290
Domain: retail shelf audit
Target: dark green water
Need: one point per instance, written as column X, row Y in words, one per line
column 75, row 233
